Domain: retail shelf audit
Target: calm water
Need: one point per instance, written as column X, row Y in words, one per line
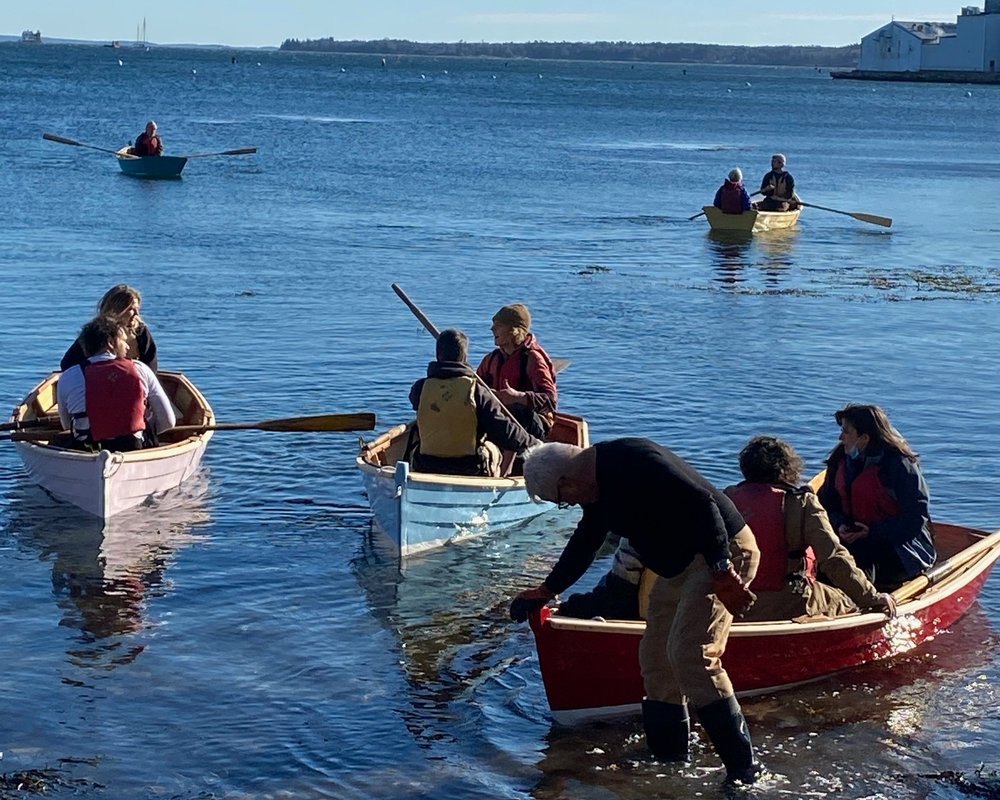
column 245, row 638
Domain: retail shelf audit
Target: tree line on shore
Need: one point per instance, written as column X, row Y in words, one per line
column 675, row 53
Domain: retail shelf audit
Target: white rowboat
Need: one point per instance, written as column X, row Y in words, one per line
column 106, row 483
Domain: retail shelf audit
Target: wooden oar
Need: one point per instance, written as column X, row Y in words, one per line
column 320, row 423
column 242, row 151
column 872, row 219
column 946, row 569
column 63, row 140
column 41, row 422
column 702, row 212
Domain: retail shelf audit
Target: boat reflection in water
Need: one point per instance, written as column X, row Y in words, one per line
column 105, row 574
column 740, row 257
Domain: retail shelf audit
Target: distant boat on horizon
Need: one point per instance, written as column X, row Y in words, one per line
column 31, row 37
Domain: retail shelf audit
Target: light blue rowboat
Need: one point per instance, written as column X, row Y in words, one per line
column 150, row 166
column 421, row 511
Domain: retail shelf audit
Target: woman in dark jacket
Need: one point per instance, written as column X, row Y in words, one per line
column 877, row 498
column 122, row 302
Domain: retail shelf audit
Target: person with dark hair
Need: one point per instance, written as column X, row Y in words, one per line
column 148, row 143
column 520, row 372
column 461, row 426
column 795, row 539
column 877, row 498
column 732, row 197
column 778, row 187
column 123, row 303
column 104, row 401
column 702, row 555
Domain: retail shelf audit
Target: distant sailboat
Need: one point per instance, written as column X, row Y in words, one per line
column 140, row 35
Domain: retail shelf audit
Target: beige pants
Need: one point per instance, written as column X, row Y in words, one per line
column 687, row 629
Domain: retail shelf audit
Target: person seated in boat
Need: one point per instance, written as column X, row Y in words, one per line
column 148, row 143
column 104, row 402
column 877, row 498
column 732, row 197
column 462, row 427
column 701, row 555
column 520, row 372
column 795, row 539
column 616, row 595
column 778, row 188
column 123, row 303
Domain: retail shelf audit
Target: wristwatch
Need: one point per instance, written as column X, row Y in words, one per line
column 721, row 567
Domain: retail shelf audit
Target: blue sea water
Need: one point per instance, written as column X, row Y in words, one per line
column 244, row 638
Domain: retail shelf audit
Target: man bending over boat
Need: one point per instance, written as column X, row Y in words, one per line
column 686, row 531
column 104, row 401
column 462, row 427
column 795, row 538
column 148, row 143
column 520, row 372
column 778, row 187
column 732, row 197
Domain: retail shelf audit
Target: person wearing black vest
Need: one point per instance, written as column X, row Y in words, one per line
column 461, row 425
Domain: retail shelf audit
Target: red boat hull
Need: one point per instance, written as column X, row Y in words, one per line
column 590, row 668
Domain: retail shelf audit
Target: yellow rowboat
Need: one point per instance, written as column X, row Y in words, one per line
column 752, row 221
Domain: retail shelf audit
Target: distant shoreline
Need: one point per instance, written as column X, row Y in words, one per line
column 653, row 52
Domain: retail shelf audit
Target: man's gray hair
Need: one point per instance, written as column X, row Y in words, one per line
column 735, row 175
column 544, row 465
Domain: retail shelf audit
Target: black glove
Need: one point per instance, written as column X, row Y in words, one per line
column 522, row 607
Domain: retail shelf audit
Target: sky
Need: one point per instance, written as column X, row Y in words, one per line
column 259, row 23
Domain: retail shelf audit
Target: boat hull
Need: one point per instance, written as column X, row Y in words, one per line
column 590, row 668
column 752, row 221
column 158, row 167
column 106, row 483
column 418, row 512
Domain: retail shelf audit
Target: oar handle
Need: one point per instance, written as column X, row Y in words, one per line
column 946, row 569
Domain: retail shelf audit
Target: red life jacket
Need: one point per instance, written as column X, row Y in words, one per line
column 116, row 398
column 496, row 369
column 866, row 500
column 731, row 198
column 763, row 507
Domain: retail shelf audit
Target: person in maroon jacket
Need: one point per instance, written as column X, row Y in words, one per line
column 520, row 372
column 703, row 554
column 148, row 143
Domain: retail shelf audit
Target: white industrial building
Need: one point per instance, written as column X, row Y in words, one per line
column 972, row 44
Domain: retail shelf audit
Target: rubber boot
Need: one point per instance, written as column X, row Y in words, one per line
column 668, row 729
column 725, row 725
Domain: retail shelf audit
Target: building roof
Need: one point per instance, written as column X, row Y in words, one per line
column 929, row 31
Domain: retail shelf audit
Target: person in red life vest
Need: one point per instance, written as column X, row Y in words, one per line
column 123, row 303
column 795, row 538
column 520, row 372
column 105, row 401
column 462, row 427
column 148, row 143
column 703, row 554
column 877, row 498
column 732, row 196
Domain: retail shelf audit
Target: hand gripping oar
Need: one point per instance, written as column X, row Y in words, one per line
column 872, row 219
column 63, row 140
column 242, row 151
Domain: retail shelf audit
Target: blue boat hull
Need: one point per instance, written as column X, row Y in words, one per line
column 150, row 166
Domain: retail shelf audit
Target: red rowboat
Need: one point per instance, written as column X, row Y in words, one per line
column 590, row 668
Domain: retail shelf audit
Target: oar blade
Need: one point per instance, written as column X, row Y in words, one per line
column 61, row 139
column 559, row 364
column 320, row 423
column 873, row 219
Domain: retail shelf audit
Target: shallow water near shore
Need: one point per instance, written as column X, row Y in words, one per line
column 247, row 636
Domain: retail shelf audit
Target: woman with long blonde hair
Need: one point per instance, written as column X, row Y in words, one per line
column 122, row 303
